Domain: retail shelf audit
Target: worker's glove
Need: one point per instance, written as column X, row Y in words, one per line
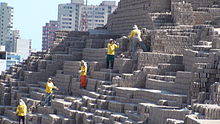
column 116, row 43
column 79, row 71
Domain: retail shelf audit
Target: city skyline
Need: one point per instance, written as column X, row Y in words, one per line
column 30, row 16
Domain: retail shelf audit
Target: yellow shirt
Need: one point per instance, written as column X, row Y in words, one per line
column 135, row 33
column 21, row 110
column 49, row 87
column 111, row 48
column 83, row 70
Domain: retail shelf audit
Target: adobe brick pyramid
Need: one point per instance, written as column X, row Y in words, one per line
column 175, row 83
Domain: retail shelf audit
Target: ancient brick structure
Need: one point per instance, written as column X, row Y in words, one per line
column 176, row 83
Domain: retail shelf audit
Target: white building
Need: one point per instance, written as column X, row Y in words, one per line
column 76, row 16
column 6, row 24
column 15, row 37
column 68, row 15
column 23, row 48
column 97, row 16
column 2, row 59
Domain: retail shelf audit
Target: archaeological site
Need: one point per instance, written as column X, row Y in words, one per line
column 177, row 82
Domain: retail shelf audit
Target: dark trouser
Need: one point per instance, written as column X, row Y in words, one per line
column 110, row 59
column 21, row 118
column 134, row 43
column 48, row 99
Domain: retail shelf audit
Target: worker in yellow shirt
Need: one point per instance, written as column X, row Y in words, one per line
column 49, row 92
column 21, row 111
column 135, row 36
column 112, row 45
column 83, row 73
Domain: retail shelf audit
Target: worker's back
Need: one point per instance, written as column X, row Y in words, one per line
column 21, row 110
column 136, row 33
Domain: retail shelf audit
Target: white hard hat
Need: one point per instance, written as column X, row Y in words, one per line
column 135, row 27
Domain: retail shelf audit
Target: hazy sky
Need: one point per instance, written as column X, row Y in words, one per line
column 31, row 15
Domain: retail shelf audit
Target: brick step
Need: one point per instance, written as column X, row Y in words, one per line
column 103, row 75
column 155, row 58
column 109, row 70
column 135, row 117
column 151, row 69
column 166, row 112
column 103, row 113
column 94, row 84
column 162, row 23
column 161, row 77
column 159, row 14
column 94, row 54
column 37, row 89
column 194, row 119
column 170, row 73
column 42, row 84
column 6, row 120
column 33, row 85
column 113, row 106
column 167, row 85
column 56, row 119
column 106, row 92
column 122, row 64
column 45, row 110
column 20, row 95
column 63, row 57
column 71, row 98
column 96, row 95
column 37, row 95
column 151, row 95
column 4, row 108
column 11, row 114
column 168, row 67
column 59, row 105
column 71, row 67
column 22, row 83
column 209, row 111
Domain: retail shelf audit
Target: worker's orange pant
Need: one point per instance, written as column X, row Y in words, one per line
column 83, row 81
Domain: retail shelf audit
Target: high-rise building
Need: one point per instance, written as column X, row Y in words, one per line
column 69, row 14
column 23, row 48
column 48, row 34
column 96, row 16
column 15, row 37
column 76, row 16
column 6, row 24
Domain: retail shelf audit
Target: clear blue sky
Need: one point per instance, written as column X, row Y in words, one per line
column 31, row 15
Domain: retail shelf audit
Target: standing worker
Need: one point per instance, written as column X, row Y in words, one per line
column 21, row 111
column 135, row 36
column 49, row 92
column 112, row 45
column 83, row 73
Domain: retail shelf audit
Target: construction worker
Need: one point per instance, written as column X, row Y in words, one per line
column 83, row 73
column 135, row 36
column 112, row 45
column 49, row 91
column 21, row 111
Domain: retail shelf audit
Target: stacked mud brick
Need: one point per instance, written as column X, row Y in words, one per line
column 175, row 83
column 153, row 14
column 131, row 12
